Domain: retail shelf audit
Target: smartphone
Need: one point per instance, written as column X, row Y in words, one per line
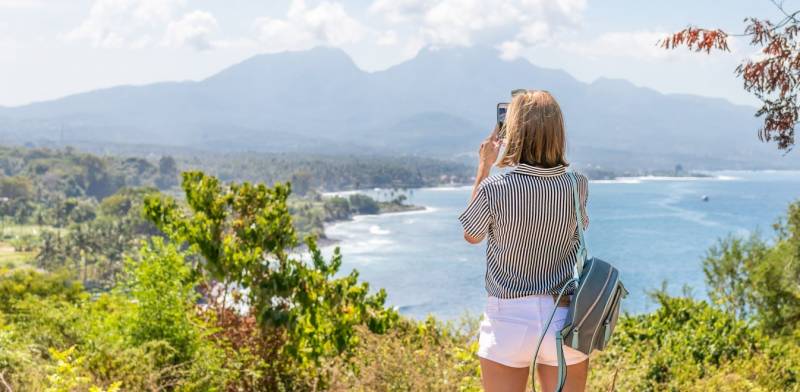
column 502, row 108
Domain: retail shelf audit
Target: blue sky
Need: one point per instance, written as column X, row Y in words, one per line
column 51, row 48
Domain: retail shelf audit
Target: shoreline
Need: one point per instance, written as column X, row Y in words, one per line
column 328, row 241
column 716, row 175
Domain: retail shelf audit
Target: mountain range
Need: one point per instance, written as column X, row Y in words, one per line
column 440, row 103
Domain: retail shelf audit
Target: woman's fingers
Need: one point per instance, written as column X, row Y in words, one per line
column 495, row 132
column 498, row 143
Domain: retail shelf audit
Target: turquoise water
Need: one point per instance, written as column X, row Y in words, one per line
column 653, row 229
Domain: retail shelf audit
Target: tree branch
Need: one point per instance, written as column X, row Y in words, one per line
column 788, row 15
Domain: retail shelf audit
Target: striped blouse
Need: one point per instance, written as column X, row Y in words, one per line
column 528, row 215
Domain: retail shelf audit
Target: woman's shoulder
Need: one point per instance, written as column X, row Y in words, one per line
column 582, row 178
column 583, row 183
column 493, row 180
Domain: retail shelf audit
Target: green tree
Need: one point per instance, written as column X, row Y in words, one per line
column 243, row 233
column 162, row 284
column 363, row 204
column 336, row 208
column 759, row 280
column 16, row 188
column 167, row 172
column 301, row 182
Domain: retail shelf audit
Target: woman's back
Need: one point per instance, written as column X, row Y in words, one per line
column 528, row 216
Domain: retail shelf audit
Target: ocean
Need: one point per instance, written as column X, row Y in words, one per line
column 656, row 230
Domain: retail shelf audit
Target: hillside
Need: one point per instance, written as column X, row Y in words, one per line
column 441, row 102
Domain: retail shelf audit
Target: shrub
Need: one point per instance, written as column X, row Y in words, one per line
column 415, row 356
column 757, row 280
column 673, row 348
column 363, row 204
column 162, row 285
column 19, row 284
column 244, row 233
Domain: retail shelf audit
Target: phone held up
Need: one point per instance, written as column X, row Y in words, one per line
column 502, row 108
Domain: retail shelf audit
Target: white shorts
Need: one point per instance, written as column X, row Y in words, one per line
column 511, row 328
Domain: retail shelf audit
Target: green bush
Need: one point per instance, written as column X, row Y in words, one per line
column 683, row 341
column 244, row 233
column 415, row 356
column 336, row 208
column 363, row 204
column 18, row 284
column 757, row 280
column 162, row 286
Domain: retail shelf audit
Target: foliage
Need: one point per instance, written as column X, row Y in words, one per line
column 759, row 281
column 16, row 188
column 337, row 208
column 19, row 284
column 72, row 210
column 363, row 204
column 684, row 340
column 311, row 213
column 330, row 172
column 167, row 172
column 243, row 233
column 415, row 356
column 301, row 182
column 96, row 249
column 147, row 337
column 772, row 77
column 162, row 285
column 689, row 345
column 66, row 376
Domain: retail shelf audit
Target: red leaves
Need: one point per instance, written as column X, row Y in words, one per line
column 780, row 117
column 773, row 78
column 697, row 39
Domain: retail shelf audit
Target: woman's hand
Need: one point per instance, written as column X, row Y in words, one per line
column 489, row 150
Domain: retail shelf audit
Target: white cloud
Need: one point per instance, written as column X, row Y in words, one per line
column 21, row 3
column 641, row 45
column 193, row 29
column 387, row 38
column 534, row 33
column 120, row 23
column 515, row 23
column 400, row 11
column 144, row 23
column 510, row 50
column 303, row 27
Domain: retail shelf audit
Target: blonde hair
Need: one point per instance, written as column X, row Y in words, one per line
column 534, row 131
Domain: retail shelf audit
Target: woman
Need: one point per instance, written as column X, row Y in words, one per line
column 528, row 217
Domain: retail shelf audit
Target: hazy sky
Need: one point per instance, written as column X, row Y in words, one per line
column 51, row 48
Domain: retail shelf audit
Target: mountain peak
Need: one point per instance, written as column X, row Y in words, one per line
column 475, row 54
column 323, row 59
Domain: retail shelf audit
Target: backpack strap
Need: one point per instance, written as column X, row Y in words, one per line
column 583, row 252
column 562, row 364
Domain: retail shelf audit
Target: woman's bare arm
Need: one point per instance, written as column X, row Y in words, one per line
column 487, row 155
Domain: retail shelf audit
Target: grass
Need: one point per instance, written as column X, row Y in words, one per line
column 11, row 231
column 9, row 258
